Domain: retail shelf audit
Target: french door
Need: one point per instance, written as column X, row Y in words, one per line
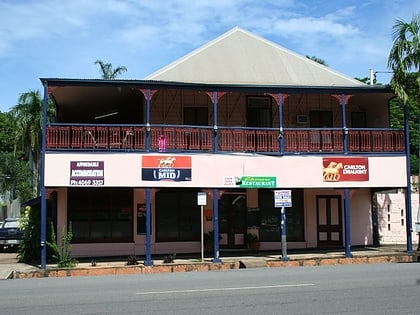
column 329, row 221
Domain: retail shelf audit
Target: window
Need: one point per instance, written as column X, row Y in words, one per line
column 177, row 215
column 196, row 116
column 270, row 229
column 358, row 120
column 101, row 215
column 259, row 112
column 321, row 119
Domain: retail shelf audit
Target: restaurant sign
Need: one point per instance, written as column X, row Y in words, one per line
column 343, row 169
column 258, row 182
column 86, row 173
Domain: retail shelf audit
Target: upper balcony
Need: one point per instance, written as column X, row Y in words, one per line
column 148, row 116
column 171, row 138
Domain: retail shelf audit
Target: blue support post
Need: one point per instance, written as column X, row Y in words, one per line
column 216, row 258
column 148, row 261
column 42, row 184
column 281, row 132
column 408, row 193
column 148, row 141
column 344, row 121
column 347, row 222
column 215, row 122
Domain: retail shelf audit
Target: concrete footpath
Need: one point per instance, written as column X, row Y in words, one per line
column 11, row 269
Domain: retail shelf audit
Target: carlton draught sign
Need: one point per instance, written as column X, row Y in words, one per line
column 166, row 168
column 341, row 169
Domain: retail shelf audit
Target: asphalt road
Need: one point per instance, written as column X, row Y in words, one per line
column 338, row 289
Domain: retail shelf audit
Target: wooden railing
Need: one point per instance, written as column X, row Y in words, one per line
column 194, row 138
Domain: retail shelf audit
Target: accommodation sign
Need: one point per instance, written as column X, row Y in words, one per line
column 343, row 169
column 258, row 182
column 166, row 168
column 86, row 173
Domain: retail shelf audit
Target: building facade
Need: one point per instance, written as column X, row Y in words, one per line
column 241, row 122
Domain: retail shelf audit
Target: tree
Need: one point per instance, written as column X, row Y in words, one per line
column 14, row 168
column 107, row 72
column 28, row 134
column 397, row 117
column 404, row 56
column 316, row 59
column 404, row 61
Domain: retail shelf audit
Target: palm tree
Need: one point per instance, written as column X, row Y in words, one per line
column 405, row 53
column 404, row 59
column 107, row 72
column 28, row 134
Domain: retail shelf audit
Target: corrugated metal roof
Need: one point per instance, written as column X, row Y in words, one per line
column 240, row 57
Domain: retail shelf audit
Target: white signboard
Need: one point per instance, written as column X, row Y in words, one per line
column 201, row 199
column 282, row 198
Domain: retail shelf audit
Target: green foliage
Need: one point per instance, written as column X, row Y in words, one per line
column 169, row 259
column 62, row 253
column 29, row 251
column 15, row 176
column 28, row 116
column 397, row 117
column 251, row 238
column 108, row 72
column 132, row 260
column 7, row 127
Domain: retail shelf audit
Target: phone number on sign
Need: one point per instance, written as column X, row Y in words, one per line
column 86, row 182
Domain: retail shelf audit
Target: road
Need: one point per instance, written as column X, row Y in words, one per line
column 338, row 289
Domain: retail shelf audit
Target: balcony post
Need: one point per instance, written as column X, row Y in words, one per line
column 215, row 122
column 281, row 132
column 345, row 129
column 148, row 144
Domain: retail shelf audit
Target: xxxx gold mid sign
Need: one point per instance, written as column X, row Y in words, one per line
column 342, row 169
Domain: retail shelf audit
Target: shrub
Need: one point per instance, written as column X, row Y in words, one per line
column 62, row 253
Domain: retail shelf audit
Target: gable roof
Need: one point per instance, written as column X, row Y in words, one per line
column 240, row 57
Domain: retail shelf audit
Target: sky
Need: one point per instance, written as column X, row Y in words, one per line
column 63, row 39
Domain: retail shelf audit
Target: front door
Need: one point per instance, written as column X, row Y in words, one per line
column 232, row 220
column 330, row 227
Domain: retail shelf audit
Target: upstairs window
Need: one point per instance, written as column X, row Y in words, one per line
column 259, row 113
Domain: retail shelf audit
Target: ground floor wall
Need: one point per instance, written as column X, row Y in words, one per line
column 312, row 207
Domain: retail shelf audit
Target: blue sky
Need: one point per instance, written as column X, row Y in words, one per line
column 62, row 39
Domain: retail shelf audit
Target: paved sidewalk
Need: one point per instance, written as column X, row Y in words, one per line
column 10, row 268
column 9, row 265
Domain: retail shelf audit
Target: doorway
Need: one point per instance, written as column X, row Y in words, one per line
column 232, row 220
column 329, row 221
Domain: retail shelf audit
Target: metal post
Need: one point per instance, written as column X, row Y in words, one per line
column 42, row 179
column 283, row 235
column 408, row 194
column 202, row 234
column 148, row 261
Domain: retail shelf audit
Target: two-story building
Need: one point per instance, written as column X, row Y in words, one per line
column 249, row 123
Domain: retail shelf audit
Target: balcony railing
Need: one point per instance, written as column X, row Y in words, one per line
column 194, row 138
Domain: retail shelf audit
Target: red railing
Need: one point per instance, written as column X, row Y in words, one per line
column 229, row 139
